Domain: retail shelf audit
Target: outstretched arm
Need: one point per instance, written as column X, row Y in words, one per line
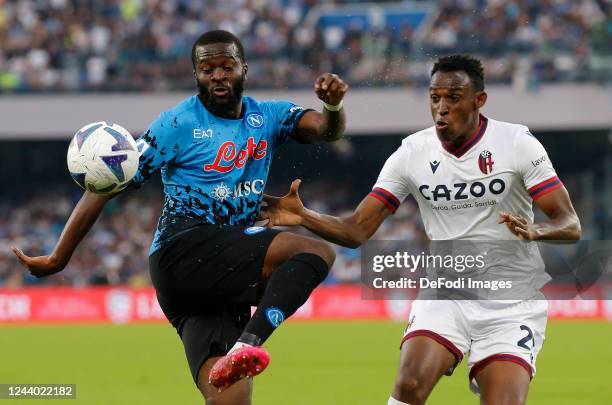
column 328, row 125
column 82, row 218
column 350, row 231
column 562, row 224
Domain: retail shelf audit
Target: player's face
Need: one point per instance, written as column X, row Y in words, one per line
column 220, row 76
column 454, row 104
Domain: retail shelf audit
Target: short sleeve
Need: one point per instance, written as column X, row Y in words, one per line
column 286, row 115
column 157, row 147
column 534, row 166
column 392, row 186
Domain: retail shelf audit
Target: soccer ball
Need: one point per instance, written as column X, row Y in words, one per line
column 102, row 157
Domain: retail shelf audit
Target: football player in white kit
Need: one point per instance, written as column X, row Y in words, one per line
column 473, row 178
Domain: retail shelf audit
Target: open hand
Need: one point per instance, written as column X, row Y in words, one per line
column 283, row 211
column 517, row 225
column 330, row 88
column 39, row 266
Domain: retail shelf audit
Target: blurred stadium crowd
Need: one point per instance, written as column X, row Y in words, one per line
column 144, row 45
column 115, row 251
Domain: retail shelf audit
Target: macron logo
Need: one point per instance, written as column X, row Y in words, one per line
column 434, row 166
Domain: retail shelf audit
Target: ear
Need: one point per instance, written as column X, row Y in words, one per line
column 481, row 99
column 245, row 69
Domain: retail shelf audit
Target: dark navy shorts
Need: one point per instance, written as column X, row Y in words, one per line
column 206, row 281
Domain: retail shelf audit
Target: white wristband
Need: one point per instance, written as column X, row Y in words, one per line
column 330, row 107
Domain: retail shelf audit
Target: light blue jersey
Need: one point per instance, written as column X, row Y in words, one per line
column 214, row 170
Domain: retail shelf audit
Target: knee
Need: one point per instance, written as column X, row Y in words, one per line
column 410, row 390
column 209, row 393
column 327, row 253
column 205, row 391
column 321, row 249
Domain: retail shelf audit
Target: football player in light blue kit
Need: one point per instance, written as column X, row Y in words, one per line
column 214, row 168
column 208, row 263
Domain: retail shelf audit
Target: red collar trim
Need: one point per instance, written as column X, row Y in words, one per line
column 473, row 140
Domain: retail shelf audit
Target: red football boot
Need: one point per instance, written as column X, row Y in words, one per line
column 241, row 363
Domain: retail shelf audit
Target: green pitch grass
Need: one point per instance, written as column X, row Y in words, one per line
column 322, row 363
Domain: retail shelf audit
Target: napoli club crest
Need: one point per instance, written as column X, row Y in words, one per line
column 485, row 162
column 255, row 120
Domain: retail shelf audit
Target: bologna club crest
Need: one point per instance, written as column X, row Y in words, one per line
column 485, row 162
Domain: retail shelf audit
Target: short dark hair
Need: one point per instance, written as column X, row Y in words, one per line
column 217, row 37
column 466, row 63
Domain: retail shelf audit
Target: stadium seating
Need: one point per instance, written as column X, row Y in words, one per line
column 94, row 45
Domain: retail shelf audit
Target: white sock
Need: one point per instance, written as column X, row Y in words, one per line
column 393, row 401
column 238, row 345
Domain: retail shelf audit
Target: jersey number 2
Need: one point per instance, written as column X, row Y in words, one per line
column 523, row 342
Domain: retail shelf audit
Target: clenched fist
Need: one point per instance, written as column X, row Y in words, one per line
column 330, row 88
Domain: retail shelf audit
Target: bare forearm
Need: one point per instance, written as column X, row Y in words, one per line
column 333, row 124
column 340, row 231
column 566, row 227
column 81, row 220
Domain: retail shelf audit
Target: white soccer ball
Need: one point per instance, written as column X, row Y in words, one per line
column 102, row 157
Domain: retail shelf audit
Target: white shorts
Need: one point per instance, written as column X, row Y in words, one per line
column 507, row 332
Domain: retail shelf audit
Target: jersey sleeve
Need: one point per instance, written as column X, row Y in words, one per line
column 535, row 167
column 392, row 186
column 157, row 146
column 286, row 116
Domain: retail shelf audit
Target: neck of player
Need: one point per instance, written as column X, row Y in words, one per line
column 461, row 139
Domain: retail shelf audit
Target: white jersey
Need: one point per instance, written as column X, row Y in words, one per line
column 460, row 193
